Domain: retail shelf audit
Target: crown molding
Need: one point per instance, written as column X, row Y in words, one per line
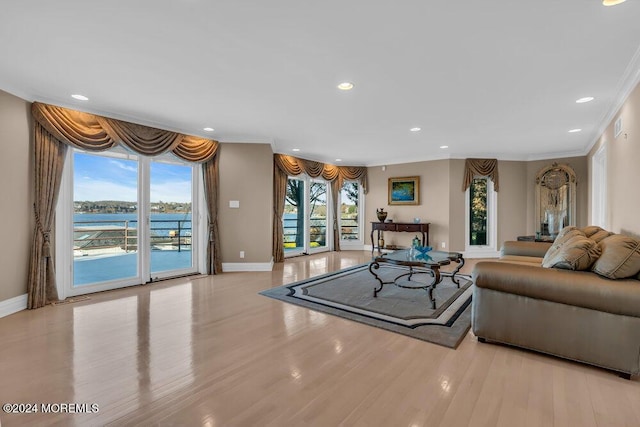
column 248, row 140
column 502, row 157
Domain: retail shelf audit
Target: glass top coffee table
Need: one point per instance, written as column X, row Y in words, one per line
column 411, row 262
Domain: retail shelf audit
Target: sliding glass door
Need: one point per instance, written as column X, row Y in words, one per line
column 105, row 218
column 126, row 220
column 307, row 216
column 294, row 217
column 351, row 218
column 171, row 225
column 318, row 216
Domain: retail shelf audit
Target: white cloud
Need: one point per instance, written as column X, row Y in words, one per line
column 176, row 191
column 123, row 165
column 88, row 189
column 93, row 190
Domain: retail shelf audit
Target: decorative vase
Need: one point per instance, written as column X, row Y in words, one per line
column 382, row 215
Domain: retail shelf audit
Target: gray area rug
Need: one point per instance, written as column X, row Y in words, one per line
column 349, row 294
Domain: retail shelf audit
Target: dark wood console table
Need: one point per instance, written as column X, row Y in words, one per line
column 410, row 227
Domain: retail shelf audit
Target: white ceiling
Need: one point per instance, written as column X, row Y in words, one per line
column 487, row 78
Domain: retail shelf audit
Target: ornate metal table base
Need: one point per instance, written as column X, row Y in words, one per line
column 415, row 266
column 429, row 287
column 460, row 262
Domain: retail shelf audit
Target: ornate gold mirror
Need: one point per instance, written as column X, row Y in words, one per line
column 555, row 199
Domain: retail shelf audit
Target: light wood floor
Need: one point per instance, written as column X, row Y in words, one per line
column 212, row 352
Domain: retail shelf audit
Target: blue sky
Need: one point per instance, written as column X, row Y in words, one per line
column 103, row 178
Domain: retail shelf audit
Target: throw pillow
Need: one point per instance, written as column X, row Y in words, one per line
column 564, row 235
column 620, row 257
column 567, row 230
column 596, row 233
column 575, row 253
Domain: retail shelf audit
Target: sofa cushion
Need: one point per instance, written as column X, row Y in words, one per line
column 572, row 251
column 620, row 257
column 522, row 259
column 596, row 233
column 578, row 288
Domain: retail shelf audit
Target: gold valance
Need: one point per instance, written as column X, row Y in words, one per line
column 480, row 167
column 97, row 133
column 286, row 166
column 295, row 166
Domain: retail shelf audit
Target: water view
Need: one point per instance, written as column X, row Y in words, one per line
column 106, row 244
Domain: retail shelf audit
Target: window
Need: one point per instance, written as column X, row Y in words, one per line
column 481, row 218
column 478, row 212
column 350, row 220
column 307, row 216
column 125, row 219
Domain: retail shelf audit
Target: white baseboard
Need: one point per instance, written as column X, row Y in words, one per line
column 228, row 267
column 13, row 305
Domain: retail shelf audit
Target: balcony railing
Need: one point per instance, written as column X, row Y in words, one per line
column 113, row 236
column 349, row 230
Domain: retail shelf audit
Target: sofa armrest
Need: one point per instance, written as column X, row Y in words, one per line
column 522, row 248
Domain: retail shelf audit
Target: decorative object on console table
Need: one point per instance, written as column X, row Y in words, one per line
column 381, row 241
column 382, row 215
column 404, row 191
column 410, row 227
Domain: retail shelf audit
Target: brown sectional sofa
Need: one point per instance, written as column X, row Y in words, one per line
column 577, row 315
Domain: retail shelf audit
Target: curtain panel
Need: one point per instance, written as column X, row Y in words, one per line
column 211, row 175
column 49, row 156
column 57, row 127
column 480, row 167
column 285, row 166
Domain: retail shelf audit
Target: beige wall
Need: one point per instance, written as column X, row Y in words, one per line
column 456, row 206
column 246, row 175
column 16, row 197
column 443, row 201
column 623, row 172
column 434, row 200
column 512, row 205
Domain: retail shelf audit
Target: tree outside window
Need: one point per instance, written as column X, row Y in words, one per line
column 478, row 212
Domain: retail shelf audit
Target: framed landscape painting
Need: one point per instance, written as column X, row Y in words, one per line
column 404, row 191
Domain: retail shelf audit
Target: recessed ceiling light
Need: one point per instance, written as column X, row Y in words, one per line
column 612, row 2
column 338, row 160
column 574, row 130
column 415, row 129
column 345, row 86
column 79, row 97
column 295, row 149
column 585, row 99
column 444, row 146
column 208, row 129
